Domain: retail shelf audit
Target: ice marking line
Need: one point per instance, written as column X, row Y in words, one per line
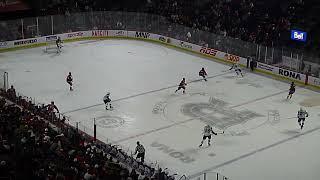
column 258, row 99
column 188, row 120
column 253, row 152
column 144, row 93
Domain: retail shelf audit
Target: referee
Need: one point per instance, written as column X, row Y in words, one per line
column 141, row 151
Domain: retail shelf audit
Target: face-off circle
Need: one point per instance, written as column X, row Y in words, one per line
column 109, row 121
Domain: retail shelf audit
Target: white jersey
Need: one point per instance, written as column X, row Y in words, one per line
column 207, row 130
column 302, row 114
column 235, row 67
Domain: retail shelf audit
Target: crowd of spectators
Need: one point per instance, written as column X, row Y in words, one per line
column 241, row 19
column 36, row 144
column 248, row 20
column 267, row 23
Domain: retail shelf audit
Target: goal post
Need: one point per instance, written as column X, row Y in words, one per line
column 4, row 83
column 51, row 44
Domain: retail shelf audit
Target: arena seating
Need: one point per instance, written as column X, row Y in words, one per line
column 36, row 145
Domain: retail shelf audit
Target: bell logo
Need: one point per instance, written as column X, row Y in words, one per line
column 297, row 35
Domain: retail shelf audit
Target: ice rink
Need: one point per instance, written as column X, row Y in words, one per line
column 262, row 139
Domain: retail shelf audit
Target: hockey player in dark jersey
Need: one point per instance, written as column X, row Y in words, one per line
column 291, row 90
column 107, row 101
column 203, row 74
column 70, row 81
column 182, row 85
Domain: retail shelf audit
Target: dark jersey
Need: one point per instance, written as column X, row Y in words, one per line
column 292, row 89
column 182, row 84
column 202, row 72
column 58, row 41
column 69, row 78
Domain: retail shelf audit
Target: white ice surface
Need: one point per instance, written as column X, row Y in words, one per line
column 141, row 75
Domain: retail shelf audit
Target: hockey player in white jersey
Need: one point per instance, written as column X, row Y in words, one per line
column 302, row 114
column 59, row 44
column 107, row 101
column 236, row 69
column 207, row 131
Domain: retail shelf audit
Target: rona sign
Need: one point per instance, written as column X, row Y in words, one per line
column 289, row 74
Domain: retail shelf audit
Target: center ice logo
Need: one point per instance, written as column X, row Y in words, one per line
column 216, row 113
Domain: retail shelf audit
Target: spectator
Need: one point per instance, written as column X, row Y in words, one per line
column 12, row 93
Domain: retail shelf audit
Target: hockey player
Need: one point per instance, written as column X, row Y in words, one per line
column 70, row 81
column 203, row 74
column 51, row 110
column 107, row 100
column 302, row 114
column 141, row 152
column 59, row 44
column 51, row 107
column 182, row 85
column 236, row 69
column 207, row 131
column 291, row 90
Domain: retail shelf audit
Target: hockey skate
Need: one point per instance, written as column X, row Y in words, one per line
column 110, row 107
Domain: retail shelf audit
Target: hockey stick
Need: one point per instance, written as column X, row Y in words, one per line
column 291, row 118
column 220, row 132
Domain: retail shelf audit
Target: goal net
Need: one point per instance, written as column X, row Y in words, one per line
column 51, row 46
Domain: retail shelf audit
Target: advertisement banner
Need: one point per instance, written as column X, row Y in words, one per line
column 144, row 35
column 291, row 74
column 314, row 81
column 299, row 35
column 3, row 44
column 232, row 58
column 51, row 38
column 265, row 67
column 163, row 39
column 75, row 35
column 120, row 33
column 185, row 45
column 99, row 33
column 25, row 42
column 117, row 33
column 208, row 51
